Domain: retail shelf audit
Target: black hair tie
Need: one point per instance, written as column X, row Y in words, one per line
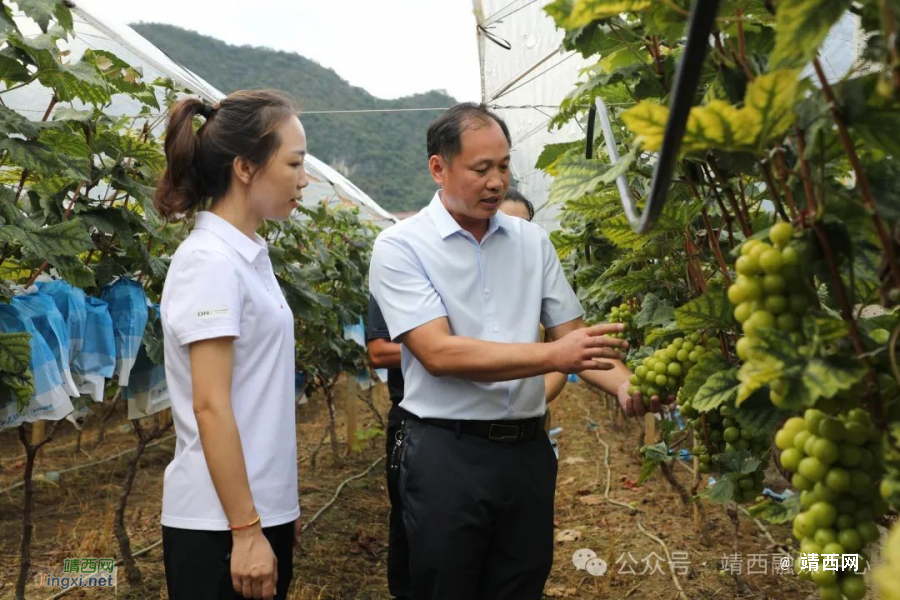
column 207, row 110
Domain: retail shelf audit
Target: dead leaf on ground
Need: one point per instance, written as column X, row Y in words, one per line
column 568, row 535
column 559, row 591
column 566, row 481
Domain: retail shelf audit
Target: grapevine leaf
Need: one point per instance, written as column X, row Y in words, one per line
column 583, row 12
column 740, row 461
column 826, row 377
column 770, row 99
column 647, row 120
column 720, row 125
column 801, row 27
column 756, row 374
column 777, row 512
column 708, row 365
column 21, row 385
column 721, row 492
column 719, row 389
column 709, row 311
column 654, row 456
column 654, row 312
column 15, row 352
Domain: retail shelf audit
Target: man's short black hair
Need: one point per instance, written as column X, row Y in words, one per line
column 445, row 134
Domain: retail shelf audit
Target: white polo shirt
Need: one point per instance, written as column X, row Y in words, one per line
column 427, row 267
column 221, row 284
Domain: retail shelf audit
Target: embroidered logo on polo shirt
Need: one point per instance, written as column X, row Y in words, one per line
column 211, row 313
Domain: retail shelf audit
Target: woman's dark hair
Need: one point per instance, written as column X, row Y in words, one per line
column 445, row 134
column 514, row 195
column 244, row 124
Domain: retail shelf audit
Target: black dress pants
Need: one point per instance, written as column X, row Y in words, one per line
column 398, row 548
column 198, row 563
column 478, row 514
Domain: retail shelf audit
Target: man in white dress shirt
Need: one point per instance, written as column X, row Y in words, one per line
column 462, row 287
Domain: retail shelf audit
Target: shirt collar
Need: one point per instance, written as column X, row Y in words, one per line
column 231, row 235
column 446, row 225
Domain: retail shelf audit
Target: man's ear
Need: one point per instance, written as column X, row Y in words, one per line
column 438, row 167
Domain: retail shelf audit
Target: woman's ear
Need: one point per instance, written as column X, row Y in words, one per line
column 243, row 169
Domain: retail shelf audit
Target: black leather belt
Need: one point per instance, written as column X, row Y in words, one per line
column 504, row 432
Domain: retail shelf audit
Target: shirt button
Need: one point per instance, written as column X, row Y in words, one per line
column 487, row 291
column 496, row 329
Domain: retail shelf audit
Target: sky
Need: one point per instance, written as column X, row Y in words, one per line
column 390, row 48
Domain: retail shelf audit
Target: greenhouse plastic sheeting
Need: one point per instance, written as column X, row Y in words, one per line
column 128, row 309
column 97, row 32
column 49, row 322
column 50, row 402
column 526, row 83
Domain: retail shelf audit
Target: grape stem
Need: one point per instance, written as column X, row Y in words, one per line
column 742, row 46
column 674, row 483
column 892, row 353
column 717, row 177
column 811, row 202
column 862, row 179
column 736, row 521
column 712, row 235
column 776, row 197
column 693, row 264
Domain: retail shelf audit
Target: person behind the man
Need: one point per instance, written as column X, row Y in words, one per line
column 462, row 287
column 385, row 354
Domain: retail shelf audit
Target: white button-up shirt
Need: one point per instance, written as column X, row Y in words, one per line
column 427, row 267
column 221, row 284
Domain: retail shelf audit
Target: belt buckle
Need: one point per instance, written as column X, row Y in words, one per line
column 504, row 433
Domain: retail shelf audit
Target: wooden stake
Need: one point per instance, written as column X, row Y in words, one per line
column 650, row 433
column 38, row 432
column 352, row 403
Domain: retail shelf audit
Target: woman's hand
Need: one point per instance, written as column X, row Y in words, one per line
column 254, row 568
column 298, row 530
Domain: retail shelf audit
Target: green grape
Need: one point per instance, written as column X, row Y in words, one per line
column 781, row 233
column 771, row 261
column 790, row 256
column 773, row 284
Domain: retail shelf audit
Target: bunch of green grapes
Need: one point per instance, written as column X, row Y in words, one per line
column 717, row 432
column 621, row 314
column 663, row 373
column 768, row 292
column 890, row 485
column 885, row 574
column 836, row 462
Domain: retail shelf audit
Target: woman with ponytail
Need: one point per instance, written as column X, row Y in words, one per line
column 230, row 512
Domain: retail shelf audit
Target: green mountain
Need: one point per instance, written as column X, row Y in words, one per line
column 382, row 153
